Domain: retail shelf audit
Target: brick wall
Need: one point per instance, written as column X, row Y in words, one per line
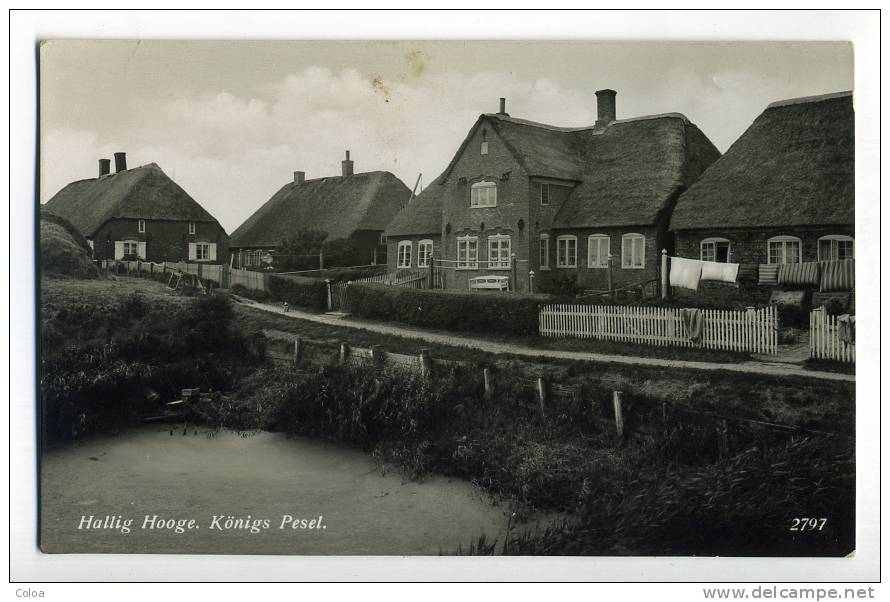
column 165, row 240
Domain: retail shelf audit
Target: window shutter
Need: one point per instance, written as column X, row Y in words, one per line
column 140, row 250
column 193, row 251
column 118, row 249
column 211, row 252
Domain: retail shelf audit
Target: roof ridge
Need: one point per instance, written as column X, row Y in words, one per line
column 807, row 99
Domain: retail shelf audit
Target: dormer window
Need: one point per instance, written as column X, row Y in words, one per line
column 484, row 148
column 191, row 227
column 484, row 194
column 141, row 226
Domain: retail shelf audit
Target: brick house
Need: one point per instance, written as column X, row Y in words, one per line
column 140, row 213
column 782, row 193
column 561, row 199
column 353, row 206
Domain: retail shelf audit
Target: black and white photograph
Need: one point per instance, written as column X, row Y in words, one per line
column 508, row 297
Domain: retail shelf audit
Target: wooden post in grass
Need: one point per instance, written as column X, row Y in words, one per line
column 298, row 350
column 327, row 282
column 609, row 272
column 542, row 395
column 664, row 273
column 513, row 283
column 426, row 363
column 617, row 398
column 429, row 283
column 486, row 382
column 531, row 282
column 377, row 354
column 344, row 353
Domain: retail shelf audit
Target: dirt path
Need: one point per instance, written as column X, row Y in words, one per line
column 750, row 367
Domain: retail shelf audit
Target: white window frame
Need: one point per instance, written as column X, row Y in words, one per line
column 713, row 240
column 496, row 244
column 564, row 240
column 131, row 247
column 544, row 252
column 191, row 227
column 629, row 238
column 202, row 251
column 140, row 226
column 784, row 239
column 465, row 259
column 602, row 261
column 544, row 185
column 483, row 148
column 833, row 253
column 402, row 256
column 490, row 188
column 424, row 253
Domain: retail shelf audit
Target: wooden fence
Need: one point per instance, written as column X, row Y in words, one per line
column 222, row 275
column 825, row 338
column 248, row 279
column 753, row 330
column 409, row 279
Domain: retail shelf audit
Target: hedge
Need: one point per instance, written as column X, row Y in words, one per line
column 302, row 292
column 507, row 313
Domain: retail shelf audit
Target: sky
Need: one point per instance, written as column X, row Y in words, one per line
column 230, row 121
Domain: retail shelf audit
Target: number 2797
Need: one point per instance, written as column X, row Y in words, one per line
column 807, row 524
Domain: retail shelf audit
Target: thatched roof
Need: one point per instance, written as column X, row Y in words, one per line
column 632, row 170
column 794, row 166
column 63, row 249
column 423, row 215
column 144, row 192
column 627, row 172
column 338, row 205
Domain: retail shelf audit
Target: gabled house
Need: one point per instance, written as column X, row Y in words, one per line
column 355, row 207
column 561, row 199
column 140, row 213
column 783, row 192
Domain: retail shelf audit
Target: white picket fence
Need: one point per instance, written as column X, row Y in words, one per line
column 409, row 279
column 825, row 340
column 247, row 278
column 753, row 330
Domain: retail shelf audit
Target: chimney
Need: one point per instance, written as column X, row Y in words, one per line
column 503, row 110
column 104, row 167
column 120, row 162
column 605, row 107
column 299, row 177
column 347, row 165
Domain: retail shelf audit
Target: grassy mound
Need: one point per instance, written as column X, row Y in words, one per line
column 64, row 250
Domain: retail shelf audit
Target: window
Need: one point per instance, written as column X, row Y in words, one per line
column 205, row 251
column 141, row 225
column 191, row 227
column 633, row 251
column 835, row 246
column 598, row 251
column 424, row 253
column 404, row 254
column 468, row 252
column 130, row 248
column 499, row 252
column 715, row 249
column 544, row 252
column 567, row 252
column 484, row 148
column 484, row 194
column 545, row 194
column 783, row 249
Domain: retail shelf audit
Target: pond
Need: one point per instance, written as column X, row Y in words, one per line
column 244, row 495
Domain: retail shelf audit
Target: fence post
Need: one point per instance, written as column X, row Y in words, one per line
column 321, row 258
column 542, row 395
column 426, row 364
column 377, row 354
column 617, row 398
column 327, row 282
column 664, row 273
column 531, row 281
column 513, row 283
column 344, row 353
column 298, row 350
column 486, row 381
column 429, row 283
column 609, row 272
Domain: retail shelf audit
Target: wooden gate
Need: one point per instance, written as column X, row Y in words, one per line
column 337, row 297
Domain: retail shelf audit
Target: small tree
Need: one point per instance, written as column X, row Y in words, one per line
column 340, row 253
